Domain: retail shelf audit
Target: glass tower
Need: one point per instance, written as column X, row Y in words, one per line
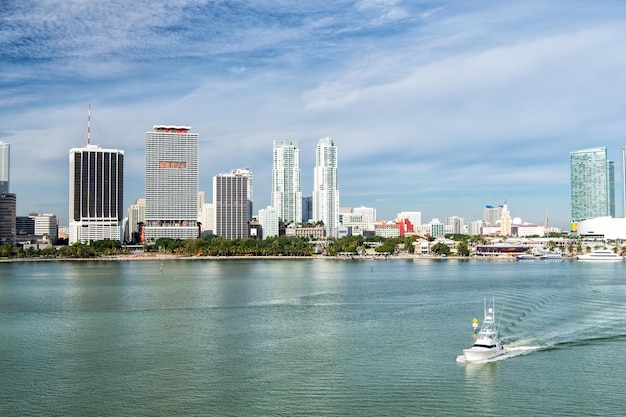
column 592, row 184
column 286, row 185
column 325, row 190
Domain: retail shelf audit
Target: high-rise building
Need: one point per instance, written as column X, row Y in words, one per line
column 230, row 204
column 505, row 221
column 325, row 189
column 286, row 183
column 415, row 217
column 5, row 149
column 96, row 193
column 492, row 215
column 268, row 219
column 8, row 203
column 46, row 225
column 307, row 209
column 136, row 221
column 592, row 184
column 247, row 173
column 171, row 183
column 370, row 212
column 456, row 223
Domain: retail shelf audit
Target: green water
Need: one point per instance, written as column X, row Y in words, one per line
column 309, row 337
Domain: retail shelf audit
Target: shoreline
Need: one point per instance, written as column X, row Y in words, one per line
column 174, row 257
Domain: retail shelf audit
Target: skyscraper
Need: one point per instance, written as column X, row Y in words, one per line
column 592, row 184
column 96, row 193
column 325, row 190
column 171, row 183
column 231, row 204
column 286, row 186
column 5, row 149
column 8, row 203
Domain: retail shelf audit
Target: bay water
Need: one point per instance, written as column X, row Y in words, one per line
column 309, row 337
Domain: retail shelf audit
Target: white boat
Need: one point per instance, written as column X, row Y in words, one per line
column 525, row 257
column 551, row 256
column 602, row 255
column 487, row 344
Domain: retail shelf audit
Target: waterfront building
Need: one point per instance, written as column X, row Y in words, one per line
column 96, row 194
column 305, row 232
column 370, row 212
column 46, row 224
column 592, row 184
column 231, row 204
column 388, row 229
column 25, row 227
column 415, row 217
column 136, row 221
column 358, row 222
column 8, row 204
column 268, row 219
column 505, row 221
column 325, row 188
column 171, row 183
column 5, row 150
column 456, row 224
column 492, row 215
column 286, row 181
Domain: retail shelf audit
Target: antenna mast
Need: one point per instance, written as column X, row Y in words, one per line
column 89, row 125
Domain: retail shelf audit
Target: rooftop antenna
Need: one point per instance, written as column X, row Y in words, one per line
column 89, row 125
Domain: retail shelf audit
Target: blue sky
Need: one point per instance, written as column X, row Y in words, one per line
column 435, row 106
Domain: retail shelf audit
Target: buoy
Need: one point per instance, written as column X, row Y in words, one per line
column 475, row 324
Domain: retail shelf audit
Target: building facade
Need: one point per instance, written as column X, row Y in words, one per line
column 230, row 204
column 307, row 209
column 171, row 183
column 325, row 188
column 5, row 149
column 136, row 221
column 592, row 184
column 96, row 194
column 492, row 215
column 8, row 204
column 286, row 181
column 268, row 219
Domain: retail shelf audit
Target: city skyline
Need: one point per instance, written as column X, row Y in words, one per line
column 439, row 107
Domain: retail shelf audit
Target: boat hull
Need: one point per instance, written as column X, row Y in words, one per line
column 477, row 354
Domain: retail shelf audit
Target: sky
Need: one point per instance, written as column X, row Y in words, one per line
column 441, row 107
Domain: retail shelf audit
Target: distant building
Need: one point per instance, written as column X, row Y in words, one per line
column 307, row 209
column 388, row 230
column 171, row 183
column 286, row 182
column 8, row 204
column 96, row 194
column 415, row 217
column 370, row 212
column 325, row 188
column 136, row 221
column 505, row 221
column 46, row 225
column 230, row 205
column 268, row 220
column 492, row 215
column 456, row 224
column 305, row 232
column 5, row 150
column 25, row 226
column 592, row 184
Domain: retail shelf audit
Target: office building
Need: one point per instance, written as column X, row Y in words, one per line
column 286, row 182
column 268, row 219
column 456, row 224
column 592, row 184
column 370, row 212
column 325, row 188
column 415, row 217
column 5, row 149
column 96, row 194
column 492, row 215
column 171, row 183
column 46, row 225
column 231, row 204
column 307, row 209
column 8, row 204
column 136, row 221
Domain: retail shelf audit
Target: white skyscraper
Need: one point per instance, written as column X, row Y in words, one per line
column 286, row 186
column 96, row 194
column 171, row 183
column 5, row 149
column 325, row 190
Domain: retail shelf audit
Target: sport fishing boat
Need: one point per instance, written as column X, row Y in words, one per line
column 487, row 344
column 602, row 255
